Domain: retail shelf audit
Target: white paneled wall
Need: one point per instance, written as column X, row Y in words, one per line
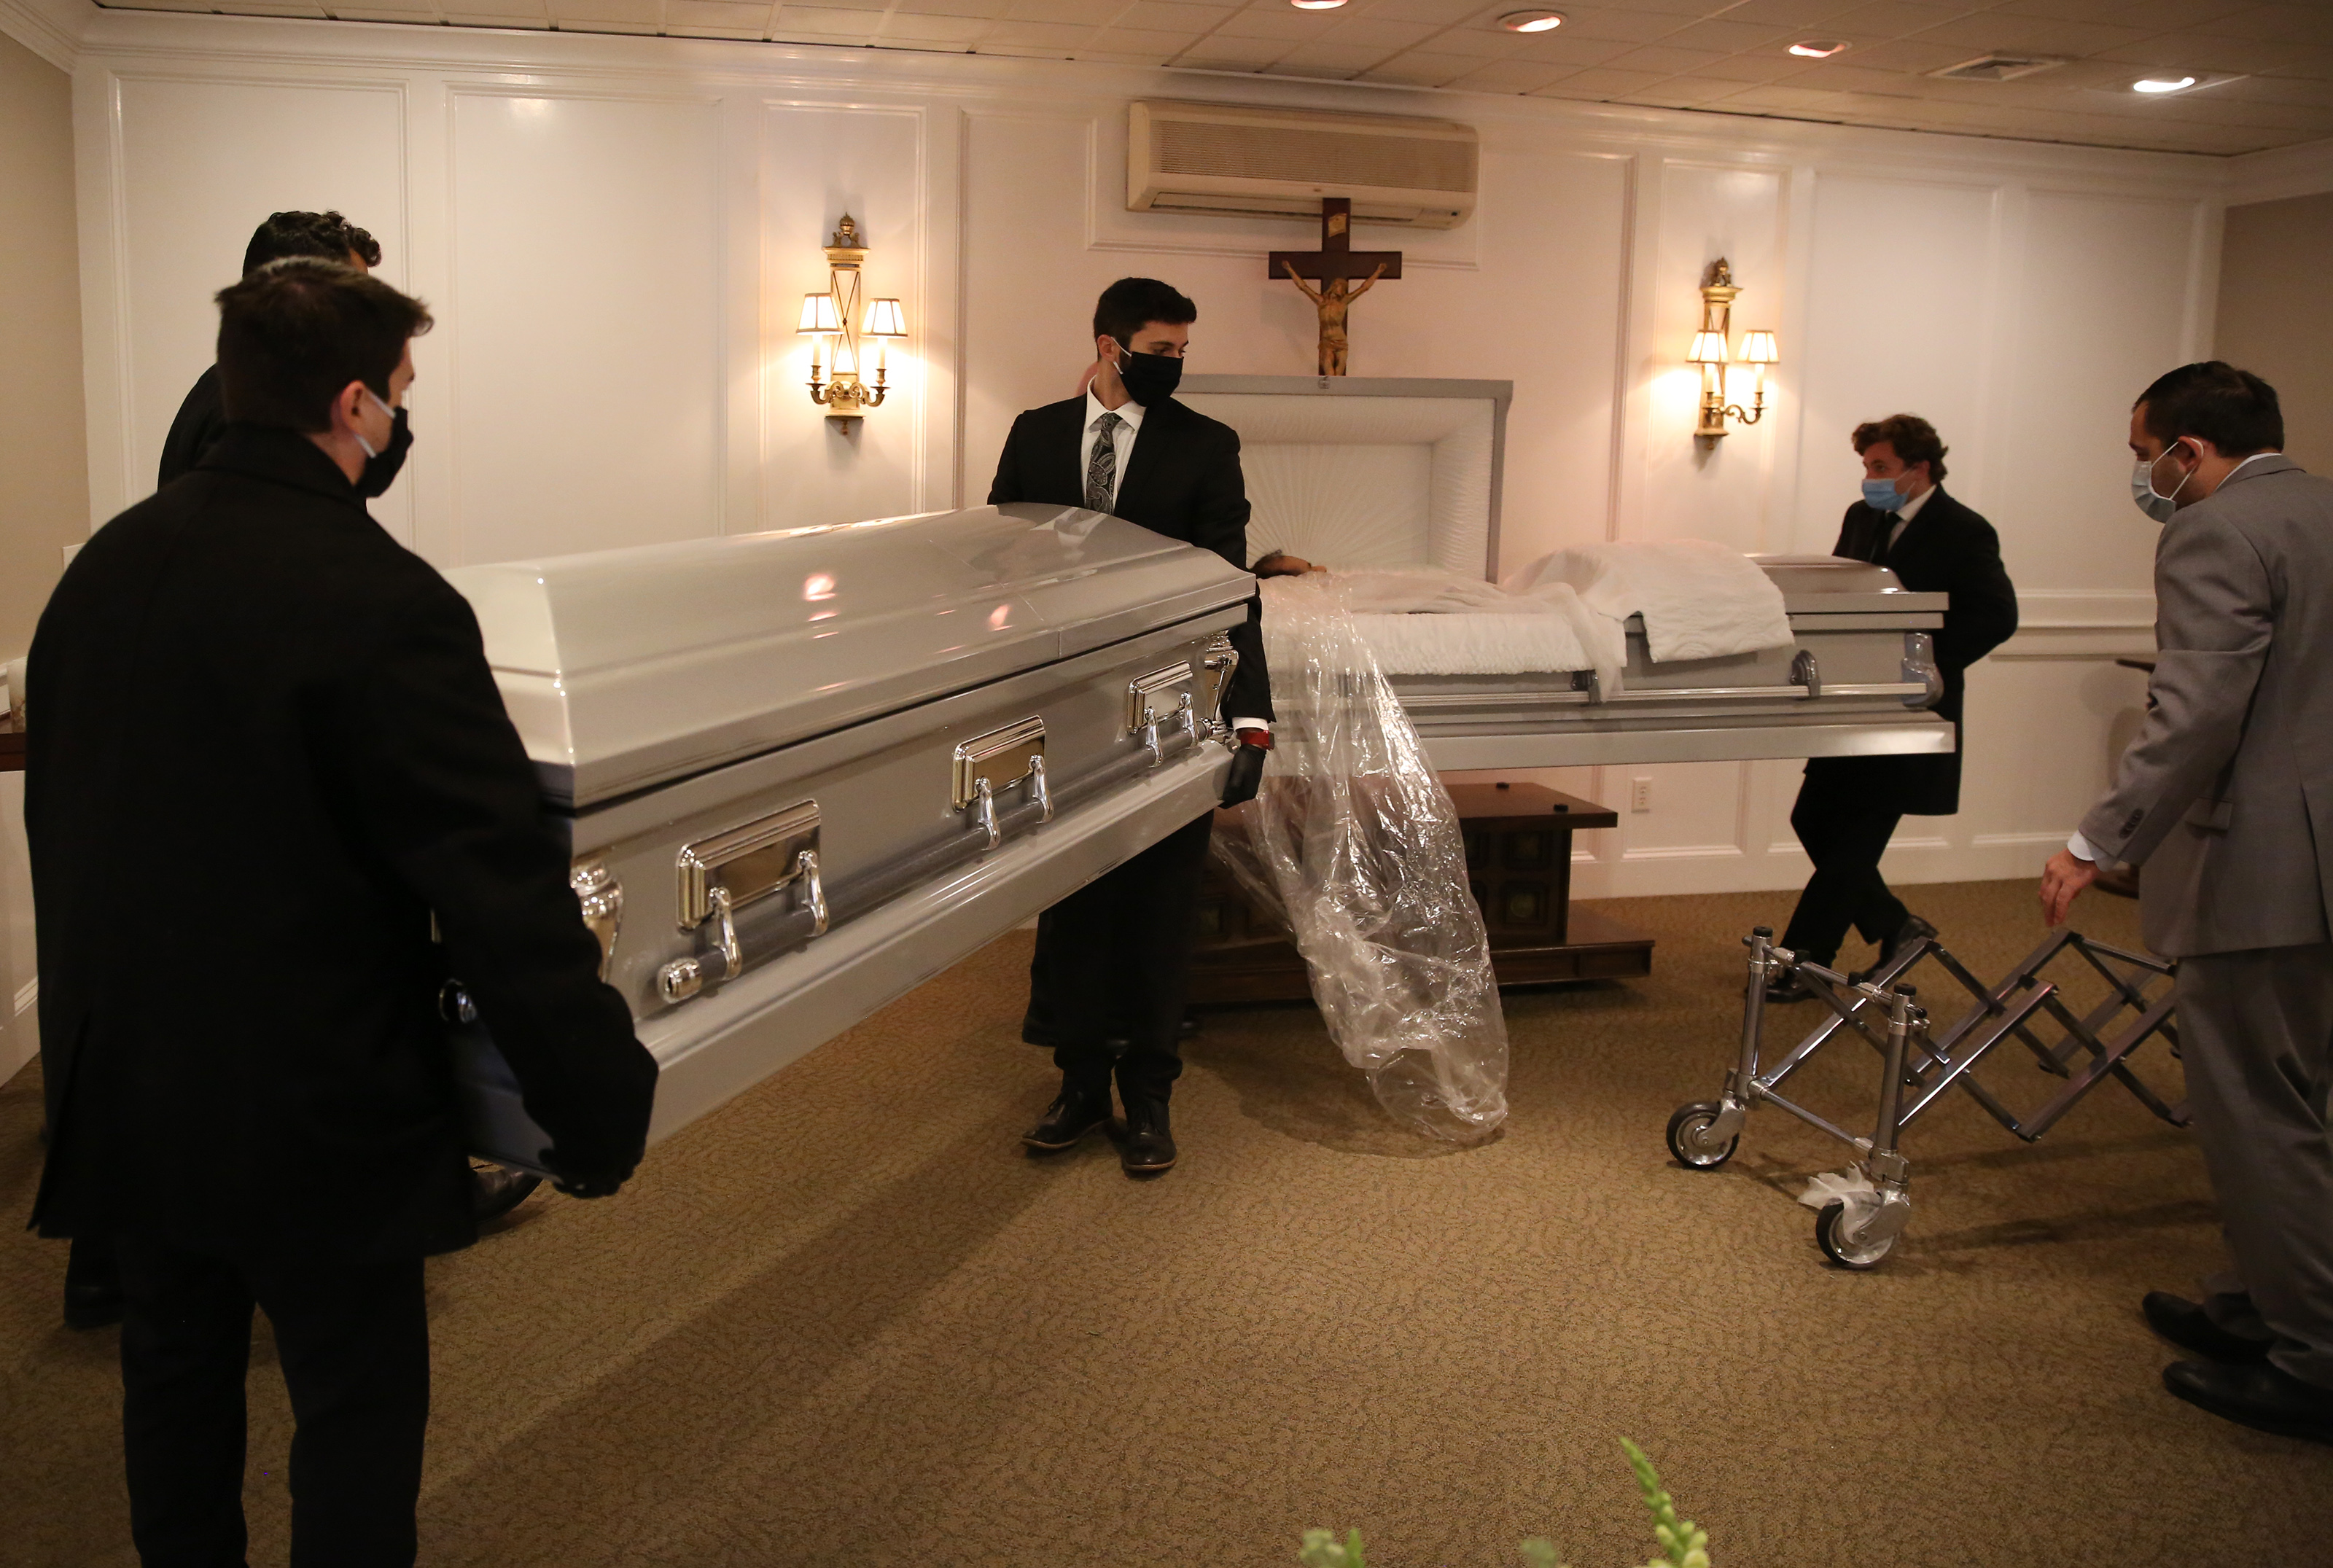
column 615, row 234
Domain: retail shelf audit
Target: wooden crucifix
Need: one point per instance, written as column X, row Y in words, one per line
column 1336, row 264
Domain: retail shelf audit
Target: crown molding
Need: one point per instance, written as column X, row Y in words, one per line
column 2280, row 173
column 121, row 35
column 51, row 29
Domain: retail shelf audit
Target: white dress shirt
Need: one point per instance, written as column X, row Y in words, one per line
column 1122, row 440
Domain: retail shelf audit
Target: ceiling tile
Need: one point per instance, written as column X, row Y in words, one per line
column 1367, row 32
column 1661, row 58
column 902, row 28
column 1441, row 11
column 1728, row 36
column 1327, row 54
column 1612, row 22
column 1770, row 65
column 1144, row 42
column 1994, row 30
column 1294, row 26
column 1606, row 83
column 2280, row 24
column 1509, row 76
column 828, row 21
column 1790, row 13
column 1172, row 17
column 1419, row 69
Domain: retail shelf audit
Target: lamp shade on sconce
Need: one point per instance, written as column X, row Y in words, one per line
column 818, row 315
column 885, row 319
column 1757, row 348
column 1708, row 349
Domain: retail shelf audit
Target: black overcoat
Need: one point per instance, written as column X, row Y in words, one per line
column 264, row 747
column 1183, row 481
column 1946, row 548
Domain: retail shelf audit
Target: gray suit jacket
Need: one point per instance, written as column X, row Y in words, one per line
column 2226, row 796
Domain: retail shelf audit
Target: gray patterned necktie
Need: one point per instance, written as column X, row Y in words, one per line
column 1101, row 469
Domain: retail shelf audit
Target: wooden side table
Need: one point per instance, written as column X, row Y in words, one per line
column 1519, row 869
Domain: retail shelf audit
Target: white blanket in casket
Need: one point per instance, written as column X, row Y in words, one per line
column 1354, row 843
column 1569, row 611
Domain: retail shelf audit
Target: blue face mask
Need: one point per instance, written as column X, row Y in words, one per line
column 1881, row 495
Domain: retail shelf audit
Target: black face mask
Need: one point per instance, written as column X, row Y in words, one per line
column 380, row 472
column 1150, row 379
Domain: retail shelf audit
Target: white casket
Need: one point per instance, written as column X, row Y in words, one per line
column 807, row 771
column 1367, row 473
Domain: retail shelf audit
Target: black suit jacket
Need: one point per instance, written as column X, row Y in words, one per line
column 265, row 746
column 202, row 423
column 1946, row 548
column 1183, row 481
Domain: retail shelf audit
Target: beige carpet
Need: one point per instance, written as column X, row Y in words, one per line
column 846, row 1322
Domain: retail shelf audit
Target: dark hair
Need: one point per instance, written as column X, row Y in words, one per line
column 2232, row 409
column 327, row 236
column 1913, row 438
column 295, row 332
column 1131, row 303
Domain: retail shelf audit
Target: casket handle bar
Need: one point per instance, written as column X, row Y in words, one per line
column 768, row 928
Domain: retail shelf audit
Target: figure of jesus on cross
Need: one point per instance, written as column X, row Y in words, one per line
column 1336, row 264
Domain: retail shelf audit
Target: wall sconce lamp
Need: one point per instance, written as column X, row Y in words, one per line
column 834, row 323
column 1710, row 350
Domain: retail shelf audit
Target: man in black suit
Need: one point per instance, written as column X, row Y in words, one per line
column 202, row 417
column 1848, row 807
column 267, row 749
column 1106, row 985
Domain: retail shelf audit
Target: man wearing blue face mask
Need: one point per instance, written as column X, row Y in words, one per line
column 1848, row 807
column 2227, row 797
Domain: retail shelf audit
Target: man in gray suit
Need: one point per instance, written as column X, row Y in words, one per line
column 2227, row 798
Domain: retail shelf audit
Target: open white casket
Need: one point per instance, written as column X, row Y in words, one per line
column 807, row 771
column 1353, row 473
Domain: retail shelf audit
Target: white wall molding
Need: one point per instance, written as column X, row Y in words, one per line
column 2280, row 173
column 50, row 29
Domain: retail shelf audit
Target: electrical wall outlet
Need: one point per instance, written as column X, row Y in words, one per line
column 1640, row 794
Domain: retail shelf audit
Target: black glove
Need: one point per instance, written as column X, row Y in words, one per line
column 1247, row 767
column 580, row 1184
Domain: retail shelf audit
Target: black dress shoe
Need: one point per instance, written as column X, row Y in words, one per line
column 2261, row 1396
column 92, row 1285
column 1073, row 1113
column 1913, row 929
column 1790, row 988
column 1146, row 1147
column 2187, row 1325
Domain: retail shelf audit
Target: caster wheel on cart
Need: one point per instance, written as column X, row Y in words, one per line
column 1848, row 1254
column 1689, row 1127
column 495, row 1189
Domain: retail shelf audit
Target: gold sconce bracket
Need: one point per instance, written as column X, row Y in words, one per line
column 836, row 323
column 1713, row 349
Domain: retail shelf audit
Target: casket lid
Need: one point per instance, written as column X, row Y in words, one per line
column 629, row 668
column 1838, row 585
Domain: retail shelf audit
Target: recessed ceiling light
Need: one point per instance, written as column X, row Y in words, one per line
column 1531, row 21
column 2163, row 84
column 1818, row 48
column 1316, row 4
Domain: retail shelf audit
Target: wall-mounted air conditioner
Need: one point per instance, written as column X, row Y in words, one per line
column 1224, row 158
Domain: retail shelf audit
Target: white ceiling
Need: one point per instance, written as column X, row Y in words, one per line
column 1729, row 56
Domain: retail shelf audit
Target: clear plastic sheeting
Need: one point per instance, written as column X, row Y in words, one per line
column 1354, row 844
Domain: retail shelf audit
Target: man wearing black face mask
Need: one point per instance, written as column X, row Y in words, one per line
column 202, row 417
column 1107, row 984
